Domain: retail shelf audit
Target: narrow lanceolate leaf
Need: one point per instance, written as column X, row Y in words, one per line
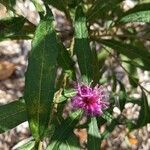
column 12, row 114
column 137, row 64
column 15, row 28
column 26, row 146
column 99, row 62
column 144, row 112
column 140, row 13
column 70, row 144
column 40, row 77
column 56, row 4
column 64, row 58
column 82, row 47
column 38, row 6
column 64, row 130
column 94, row 138
column 128, row 50
column 102, row 8
column 60, row 5
column 122, row 96
column 109, row 128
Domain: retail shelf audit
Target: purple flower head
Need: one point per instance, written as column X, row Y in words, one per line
column 92, row 100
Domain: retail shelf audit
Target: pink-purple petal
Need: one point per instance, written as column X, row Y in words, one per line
column 92, row 100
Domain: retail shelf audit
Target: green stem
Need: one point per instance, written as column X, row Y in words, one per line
column 38, row 145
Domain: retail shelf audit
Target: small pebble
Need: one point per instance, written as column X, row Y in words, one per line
column 128, row 105
column 117, row 111
column 148, row 127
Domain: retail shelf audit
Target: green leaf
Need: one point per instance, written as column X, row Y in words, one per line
column 60, row 5
column 101, row 121
column 143, row 118
column 56, row 4
column 107, row 116
column 144, row 113
column 15, row 28
column 40, row 77
column 102, row 55
column 64, row 58
column 74, row 3
column 109, row 128
column 128, row 50
column 65, row 95
column 38, row 6
column 133, row 74
column 96, row 66
column 122, row 96
column 133, row 100
column 69, row 92
column 81, row 46
column 12, row 114
column 99, row 63
column 63, row 131
column 94, row 138
column 140, row 13
column 27, row 146
column 101, row 8
column 70, row 144
column 137, row 64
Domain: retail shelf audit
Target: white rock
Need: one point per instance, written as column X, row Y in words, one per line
column 2, row 94
column 22, row 127
column 117, row 110
column 128, row 105
column 148, row 127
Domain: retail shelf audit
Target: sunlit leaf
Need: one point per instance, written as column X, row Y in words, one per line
column 65, row 95
column 140, row 13
column 81, row 46
column 107, row 116
column 94, row 137
column 38, row 6
column 27, row 146
column 40, row 77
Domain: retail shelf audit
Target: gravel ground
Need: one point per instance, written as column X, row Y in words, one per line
column 13, row 56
